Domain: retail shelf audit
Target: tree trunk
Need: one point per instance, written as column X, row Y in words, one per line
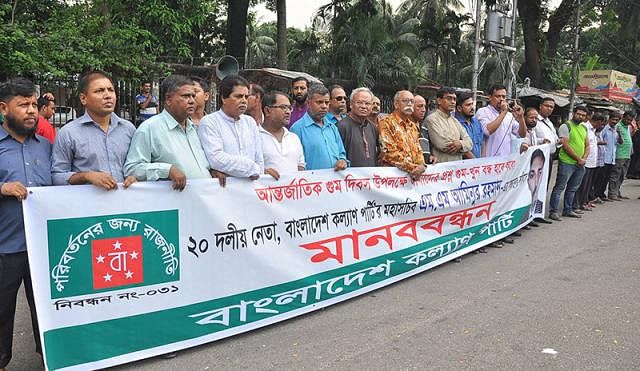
column 237, row 29
column 530, row 14
column 281, row 38
column 557, row 21
column 536, row 50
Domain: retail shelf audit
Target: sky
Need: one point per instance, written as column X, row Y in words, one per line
column 300, row 12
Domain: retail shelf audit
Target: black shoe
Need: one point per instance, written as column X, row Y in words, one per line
column 508, row 240
column 571, row 214
column 533, row 224
column 526, row 227
column 482, row 250
column 543, row 221
column 517, row 234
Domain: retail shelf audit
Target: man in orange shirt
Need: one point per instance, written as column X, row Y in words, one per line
column 46, row 109
column 398, row 137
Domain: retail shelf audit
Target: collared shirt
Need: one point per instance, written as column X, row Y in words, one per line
column 30, row 164
column 360, row 142
column 45, row 129
column 330, row 117
column 498, row 143
column 152, row 107
column 297, row 113
column 399, row 143
column 232, row 146
column 545, row 130
column 592, row 157
column 322, row 145
column 443, row 129
column 601, row 148
column 623, row 151
column 474, row 129
column 82, row 146
column 283, row 156
column 159, row 143
column 532, row 137
column 610, row 135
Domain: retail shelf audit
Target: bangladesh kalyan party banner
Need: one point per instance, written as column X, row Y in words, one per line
column 130, row 274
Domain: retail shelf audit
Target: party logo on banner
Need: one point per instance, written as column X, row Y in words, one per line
column 109, row 252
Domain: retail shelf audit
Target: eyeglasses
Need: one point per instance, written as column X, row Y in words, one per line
column 284, row 107
column 340, row 98
column 407, row 101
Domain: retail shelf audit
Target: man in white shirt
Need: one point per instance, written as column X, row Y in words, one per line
column 282, row 149
column 581, row 201
column 230, row 138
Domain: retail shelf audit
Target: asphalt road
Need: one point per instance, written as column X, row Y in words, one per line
column 572, row 287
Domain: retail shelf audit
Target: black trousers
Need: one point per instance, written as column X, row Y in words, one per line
column 14, row 269
column 582, row 195
column 602, row 180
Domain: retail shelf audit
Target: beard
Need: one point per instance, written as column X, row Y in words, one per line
column 300, row 99
column 19, row 129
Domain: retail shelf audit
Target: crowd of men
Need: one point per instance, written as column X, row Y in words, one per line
column 257, row 133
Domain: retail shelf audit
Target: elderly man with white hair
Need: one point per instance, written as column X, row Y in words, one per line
column 359, row 135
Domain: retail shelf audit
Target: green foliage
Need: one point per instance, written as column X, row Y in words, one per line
column 129, row 39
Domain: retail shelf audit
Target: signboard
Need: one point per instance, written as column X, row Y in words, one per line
column 610, row 84
column 130, row 274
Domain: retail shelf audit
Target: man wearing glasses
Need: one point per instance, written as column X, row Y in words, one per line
column 337, row 104
column 449, row 140
column 398, row 136
column 359, row 135
column 281, row 148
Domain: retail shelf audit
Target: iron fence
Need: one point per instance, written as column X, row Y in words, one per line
column 67, row 99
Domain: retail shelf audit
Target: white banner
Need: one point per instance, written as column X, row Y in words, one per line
column 129, row 274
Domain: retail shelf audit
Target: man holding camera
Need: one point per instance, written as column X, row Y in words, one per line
column 500, row 121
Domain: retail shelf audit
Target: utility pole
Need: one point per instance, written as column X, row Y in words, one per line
column 512, row 54
column 576, row 60
column 476, row 55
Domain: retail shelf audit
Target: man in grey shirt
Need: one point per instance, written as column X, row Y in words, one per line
column 359, row 135
column 92, row 149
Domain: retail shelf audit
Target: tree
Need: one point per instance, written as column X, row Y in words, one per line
column 281, row 39
column 260, row 45
column 237, row 13
column 368, row 45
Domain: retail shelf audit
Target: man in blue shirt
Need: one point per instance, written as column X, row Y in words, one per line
column 464, row 114
column 92, row 149
column 147, row 102
column 24, row 163
column 321, row 141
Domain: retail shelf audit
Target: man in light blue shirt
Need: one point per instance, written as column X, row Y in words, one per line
column 166, row 146
column 92, row 149
column 612, row 137
column 231, row 139
column 24, row 162
column 323, row 147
